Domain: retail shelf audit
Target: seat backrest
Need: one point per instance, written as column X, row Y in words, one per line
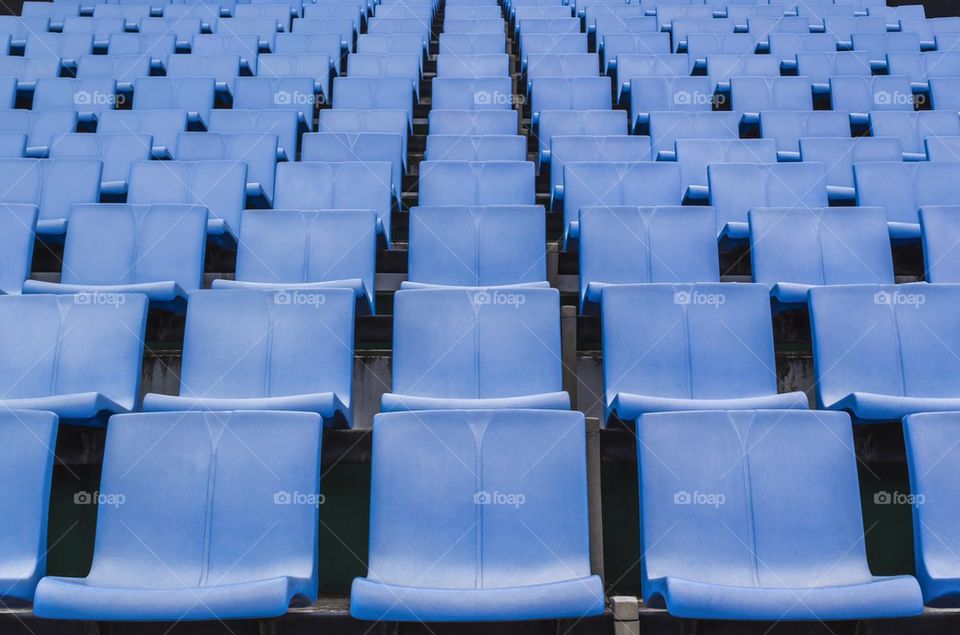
column 223, row 67
column 721, row 67
column 472, row 43
column 473, row 26
column 297, row 43
column 638, row 245
column 193, row 94
column 942, row 148
column 31, row 437
column 613, row 44
column 840, row 153
column 215, row 531
column 552, row 43
column 913, row 127
column 183, row 27
column 695, row 155
column 464, row 93
column 877, row 45
column 821, row 66
column 668, row 127
column 786, row 46
column 219, row 185
column 17, row 224
column 91, row 95
column 786, row 523
column 699, row 45
column 358, row 146
column 893, row 340
column 702, row 341
column 477, row 183
column 116, row 151
column 70, row 344
column 480, row 65
column 156, row 45
column 30, row 69
column 254, row 343
column 387, row 44
column 684, row 94
column 162, row 125
column 902, row 188
column 473, row 122
column 123, row 68
column 863, row 95
column 493, row 342
column 795, row 185
column 786, row 128
column 477, row 246
column 67, row 46
column 945, row 93
column 283, row 123
column 295, row 246
column 450, row 147
column 523, row 539
column 246, row 46
column 566, row 148
column 601, row 184
column 756, row 94
column 277, row 93
column 257, row 149
column 820, row 246
column 53, row 185
column 580, row 122
column 130, row 244
column 630, row 65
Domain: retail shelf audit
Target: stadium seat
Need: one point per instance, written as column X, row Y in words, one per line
column 307, row 43
column 551, row 44
column 667, row 127
column 358, row 93
column 473, row 26
column 31, row 439
column 122, row 68
column 793, row 250
column 904, row 188
column 360, row 146
column 682, row 94
column 938, row 224
column 843, row 27
column 464, row 93
column 131, row 13
column 601, row 184
column 680, row 28
column 156, row 250
column 317, row 185
column 787, row 128
column 477, row 183
column 476, row 148
column 77, row 356
column 254, row 349
column 87, row 97
column 877, row 45
column 942, row 148
column 893, row 15
column 700, row 45
column 472, row 43
column 497, row 348
column 69, row 47
column 188, row 13
column 395, row 65
column 631, row 65
column 474, row 122
column 793, row 185
column 913, row 127
column 862, row 95
column 533, row 562
column 792, row 547
column 577, row 122
column 283, row 123
column 496, row 245
column 639, row 245
column 930, row 440
column 200, row 548
column 17, row 223
column 696, row 155
column 221, row 186
column 753, row 95
column 117, row 152
column 244, row 46
column 615, row 44
column 264, row 28
column 334, row 249
column 52, row 185
column 27, row 70
column 882, row 352
column 193, row 94
column 257, row 149
column 224, row 68
column 283, row 93
column 839, row 154
column 568, row 148
column 689, row 347
column 722, row 67
column 389, row 44
column 13, row 145
column 157, row 45
column 471, row 12
column 607, row 25
column 944, row 93
column 473, row 66
column 184, row 28
column 393, row 26
column 162, row 126
column 342, row 120
column 821, row 66
column 944, row 41
column 920, row 67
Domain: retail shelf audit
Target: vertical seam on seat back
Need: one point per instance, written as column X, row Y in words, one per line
column 647, row 242
column 684, row 316
column 476, row 347
column 269, row 354
column 135, row 253
column 477, row 223
column 62, row 314
column 899, row 344
column 208, row 512
column 819, row 247
column 307, row 244
column 479, row 431
column 747, row 482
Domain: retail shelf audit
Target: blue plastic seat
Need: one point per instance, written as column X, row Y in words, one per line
column 494, row 245
column 820, row 67
column 122, row 68
column 534, row 559
column 8, row 92
column 245, row 47
column 603, row 184
column 357, row 93
column 52, row 185
column 680, row 28
column 282, row 13
column 667, row 12
column 792, row 185
column 389, row 44
column 13, row 145
column 786, row 46
column 913, row 127
column 791, row 547
column 131, row 13
column 464, row 93
column 69, row 47
column 920, row 67
column 184, row 28
column 476, row 148
column 162, row 125
column 703, row 346
column 477, row 183
column 928, row 29
column 394, row 26
column 615, row 44
column 882, row 352
column 99, row 28
column 473, row 26
column 752, row 95
column 577, row 122
column 395, row 65
column 316, row 185
column 472, row 43
column 631, row 65
column 607, row 26
column 224, row 68
column 342, row 120
column 568, row 148
column 944, row 93
column 943, row 41
column 283, row 123
column 681, row 94
column 17, row 223
column 242, row 545
column 360, row 146
column 257, row 149
column 570, row 65
column 189, row 12
column 304, row 43
column 843, row 27
column 87, row 97
column 157, row 45
column 193, row 94
column 473, row 122
column 27, row 70
column 877, row 45
column 942, row 148
column 722, row 67
column 554, row 19
column 31, row 438
column 333, row 249
column 116, row 151
column 330, row 11
column 253, row 349
column 283, row 93
column 564, row 93
column 787, row 128
column 156, row 250
column 700, row 45
column 794, row 250
column 862, row 95
column 264, row 28
column 498, row 348
column 696, row 155
column 56, row 12
column 77, row 356
column 221, row 186
column 667, row 127
column 639, row 245
column 893, row 15
column 904, row 188
column 840, row 153
column 551, row 44
column 930, row 440
column 420, row 11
